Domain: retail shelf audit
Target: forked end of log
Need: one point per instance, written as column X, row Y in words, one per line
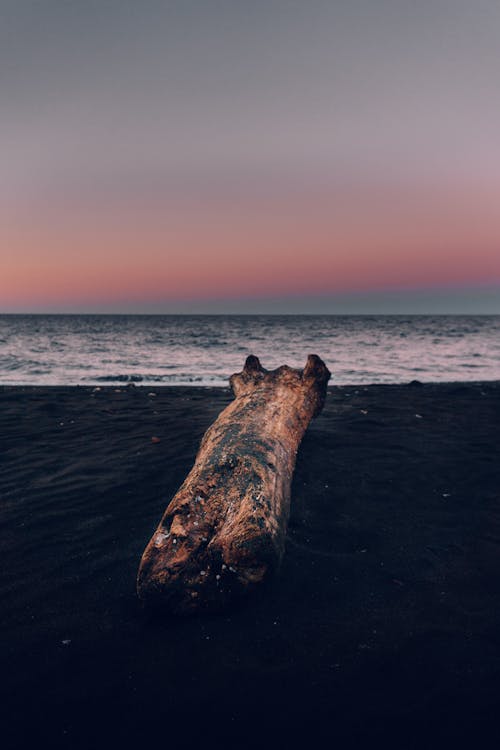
column 312, row 380
column 224, row 531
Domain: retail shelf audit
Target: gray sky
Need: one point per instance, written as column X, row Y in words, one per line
column 108, row 105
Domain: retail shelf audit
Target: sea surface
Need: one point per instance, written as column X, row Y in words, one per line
column 207, row 349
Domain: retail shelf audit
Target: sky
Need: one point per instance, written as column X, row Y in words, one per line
column 256, row 156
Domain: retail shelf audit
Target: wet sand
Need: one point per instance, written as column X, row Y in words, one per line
column 383, row 628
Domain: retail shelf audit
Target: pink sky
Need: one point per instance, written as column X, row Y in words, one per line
column 100, row 252
column 163, row 152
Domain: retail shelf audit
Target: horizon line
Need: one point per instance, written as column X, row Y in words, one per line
column 257, row 315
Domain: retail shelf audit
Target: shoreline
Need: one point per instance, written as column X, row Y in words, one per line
column 382, row 626
column 208, row 387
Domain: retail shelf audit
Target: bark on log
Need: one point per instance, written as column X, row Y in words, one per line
column 224, row 531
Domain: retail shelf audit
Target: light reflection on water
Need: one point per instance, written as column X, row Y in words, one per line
column 205, row 350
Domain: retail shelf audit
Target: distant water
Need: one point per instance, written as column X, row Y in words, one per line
column 205, row 350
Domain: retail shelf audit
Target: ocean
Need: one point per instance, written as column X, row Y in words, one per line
column 206, row 349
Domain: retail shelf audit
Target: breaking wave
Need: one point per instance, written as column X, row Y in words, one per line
column 171, row 379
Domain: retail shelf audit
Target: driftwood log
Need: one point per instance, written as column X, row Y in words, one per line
column 224, row 531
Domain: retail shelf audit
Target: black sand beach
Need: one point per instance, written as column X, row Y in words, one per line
column 383, row 628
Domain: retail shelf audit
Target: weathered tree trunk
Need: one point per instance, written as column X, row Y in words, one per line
column 224, row 531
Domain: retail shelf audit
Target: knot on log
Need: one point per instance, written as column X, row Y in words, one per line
column 224, row 531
